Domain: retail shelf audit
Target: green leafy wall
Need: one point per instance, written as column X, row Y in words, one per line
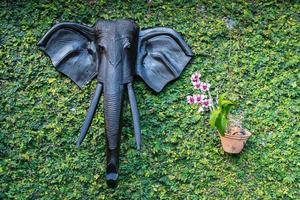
column 248, row 49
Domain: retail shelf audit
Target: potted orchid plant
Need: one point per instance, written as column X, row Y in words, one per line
column 233, row 135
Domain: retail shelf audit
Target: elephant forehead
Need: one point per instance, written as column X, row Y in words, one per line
column 114, row 40
column 116, row 28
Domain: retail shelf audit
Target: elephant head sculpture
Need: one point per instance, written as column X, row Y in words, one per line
column 114, row 52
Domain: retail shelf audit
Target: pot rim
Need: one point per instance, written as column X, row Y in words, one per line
column 237, row 137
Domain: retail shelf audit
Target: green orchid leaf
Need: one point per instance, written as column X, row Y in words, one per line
column 221, row 99
column 213, row 117
column 224, row 102
column 221, row 123
column 226, row 108
column 226, row 105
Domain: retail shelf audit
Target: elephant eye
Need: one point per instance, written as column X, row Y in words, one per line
column 126, row 44
column 101, row 47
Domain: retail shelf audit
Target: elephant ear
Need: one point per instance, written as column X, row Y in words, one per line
column 162, row 55
column 72, row 50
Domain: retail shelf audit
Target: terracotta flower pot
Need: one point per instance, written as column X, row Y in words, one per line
column 234, row 143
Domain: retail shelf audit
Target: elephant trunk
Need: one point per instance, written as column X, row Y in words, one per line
column 113, row 103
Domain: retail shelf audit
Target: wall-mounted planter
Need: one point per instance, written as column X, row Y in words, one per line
column 234, row 142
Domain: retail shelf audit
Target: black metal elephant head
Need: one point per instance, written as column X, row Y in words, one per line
column 114, row 52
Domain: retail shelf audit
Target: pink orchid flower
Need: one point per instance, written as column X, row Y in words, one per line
column 199, row 98
column 202, row 100
column 207, row 103
column 190, row 99
column 204, row 87
column 196, row 77
column 197, row 85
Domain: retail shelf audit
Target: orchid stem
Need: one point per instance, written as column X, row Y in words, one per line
column 212, row 102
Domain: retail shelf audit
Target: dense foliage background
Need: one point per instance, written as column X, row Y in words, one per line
column 248, row 49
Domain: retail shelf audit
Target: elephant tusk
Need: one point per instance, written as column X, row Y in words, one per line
column 135, row 116
column 90, row 114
